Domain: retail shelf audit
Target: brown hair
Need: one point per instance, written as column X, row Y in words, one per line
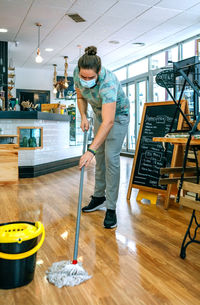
column 90, row 60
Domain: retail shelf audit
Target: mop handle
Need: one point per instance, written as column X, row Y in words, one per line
column 79, row 204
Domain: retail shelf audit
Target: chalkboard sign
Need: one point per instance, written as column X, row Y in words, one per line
column 150, row 156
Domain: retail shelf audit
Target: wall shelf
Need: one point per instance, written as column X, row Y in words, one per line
column 8, row 136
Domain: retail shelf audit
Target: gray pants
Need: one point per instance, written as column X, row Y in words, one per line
column 107, row 172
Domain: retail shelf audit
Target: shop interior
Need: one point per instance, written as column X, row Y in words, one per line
column 153, row 48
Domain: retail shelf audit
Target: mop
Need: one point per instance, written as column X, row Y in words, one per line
column 71, row 273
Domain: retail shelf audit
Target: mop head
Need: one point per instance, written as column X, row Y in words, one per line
column 65, row 273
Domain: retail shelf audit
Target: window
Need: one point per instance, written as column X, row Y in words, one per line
column 188, row 49
column 173, row 54
column 158, row 92
column 198, row 47
column 138, row 68
column 158, row 60
column 141, row 97
column 121, row 74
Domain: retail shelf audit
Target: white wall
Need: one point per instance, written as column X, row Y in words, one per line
column 55, row 141
column 37, row 79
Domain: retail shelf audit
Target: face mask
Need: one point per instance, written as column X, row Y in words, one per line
column 88, row 83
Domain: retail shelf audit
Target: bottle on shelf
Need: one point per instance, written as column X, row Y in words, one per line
column 17, row 106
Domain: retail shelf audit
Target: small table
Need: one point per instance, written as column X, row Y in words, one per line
column 187, row 186
column 177, row 140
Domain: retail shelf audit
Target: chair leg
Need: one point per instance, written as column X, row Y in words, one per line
column 188, row 234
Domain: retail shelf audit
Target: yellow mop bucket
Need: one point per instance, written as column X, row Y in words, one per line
column 18, row 250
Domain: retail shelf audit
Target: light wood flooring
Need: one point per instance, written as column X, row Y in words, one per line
column 138, row 263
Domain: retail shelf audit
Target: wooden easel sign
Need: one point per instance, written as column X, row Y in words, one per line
column 150, row 156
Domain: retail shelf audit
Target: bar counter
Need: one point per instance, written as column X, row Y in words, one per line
column 33, row 115
column 52, row 151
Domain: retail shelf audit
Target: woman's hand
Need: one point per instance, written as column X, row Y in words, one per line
column 84, row 124
column 86, row 159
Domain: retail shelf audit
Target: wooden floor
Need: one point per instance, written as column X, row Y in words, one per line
column 137, row 263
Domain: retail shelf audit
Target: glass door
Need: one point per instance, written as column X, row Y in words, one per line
column 141, row 98
column 137, row 94
column 131, row 128
column 124, row 146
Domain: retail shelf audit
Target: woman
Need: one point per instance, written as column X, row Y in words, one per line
column 102, row 90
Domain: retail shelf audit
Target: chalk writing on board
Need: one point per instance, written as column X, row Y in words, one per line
column 151, row 155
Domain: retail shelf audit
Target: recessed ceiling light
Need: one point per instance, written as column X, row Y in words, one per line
column 49, row 49
column 114, row 41
column 3, row 30
column 139, row 44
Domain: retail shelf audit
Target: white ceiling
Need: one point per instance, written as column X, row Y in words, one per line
column 158, row 24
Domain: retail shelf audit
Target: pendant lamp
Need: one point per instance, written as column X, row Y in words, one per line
column 38, row 58
column 54, row 80
column 65, row 73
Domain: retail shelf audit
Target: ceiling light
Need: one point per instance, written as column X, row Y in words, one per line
column 55, row 80
column 55, row 90
column 49, row 49
column 114, row 41
column 3, row 30
column 38, row 58
column 65, row 73
column 62, row 84
column 139, row 44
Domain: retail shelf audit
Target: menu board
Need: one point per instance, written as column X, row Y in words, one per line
column 151, row 156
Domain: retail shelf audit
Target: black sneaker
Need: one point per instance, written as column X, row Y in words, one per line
column 110, row 220
column 95, row 204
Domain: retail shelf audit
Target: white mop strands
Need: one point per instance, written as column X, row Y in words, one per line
column 65, row 273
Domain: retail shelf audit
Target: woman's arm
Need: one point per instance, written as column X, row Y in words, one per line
column 82, row 106
column 108, row 117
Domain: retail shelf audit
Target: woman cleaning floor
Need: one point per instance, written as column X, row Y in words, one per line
column 101, row 89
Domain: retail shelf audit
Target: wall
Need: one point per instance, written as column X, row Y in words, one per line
column 37, row 79
column 55, row 141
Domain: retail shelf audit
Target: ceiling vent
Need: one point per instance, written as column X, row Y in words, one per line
column 76, row 17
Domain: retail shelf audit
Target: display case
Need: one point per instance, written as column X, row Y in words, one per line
column 76, row 134
column 71, row 109
column 30, row 137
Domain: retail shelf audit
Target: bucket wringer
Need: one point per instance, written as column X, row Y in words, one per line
column 18, row 250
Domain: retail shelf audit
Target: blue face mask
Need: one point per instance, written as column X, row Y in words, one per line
column 88, row 83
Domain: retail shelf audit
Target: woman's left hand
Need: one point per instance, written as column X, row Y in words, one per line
column 86, row 159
